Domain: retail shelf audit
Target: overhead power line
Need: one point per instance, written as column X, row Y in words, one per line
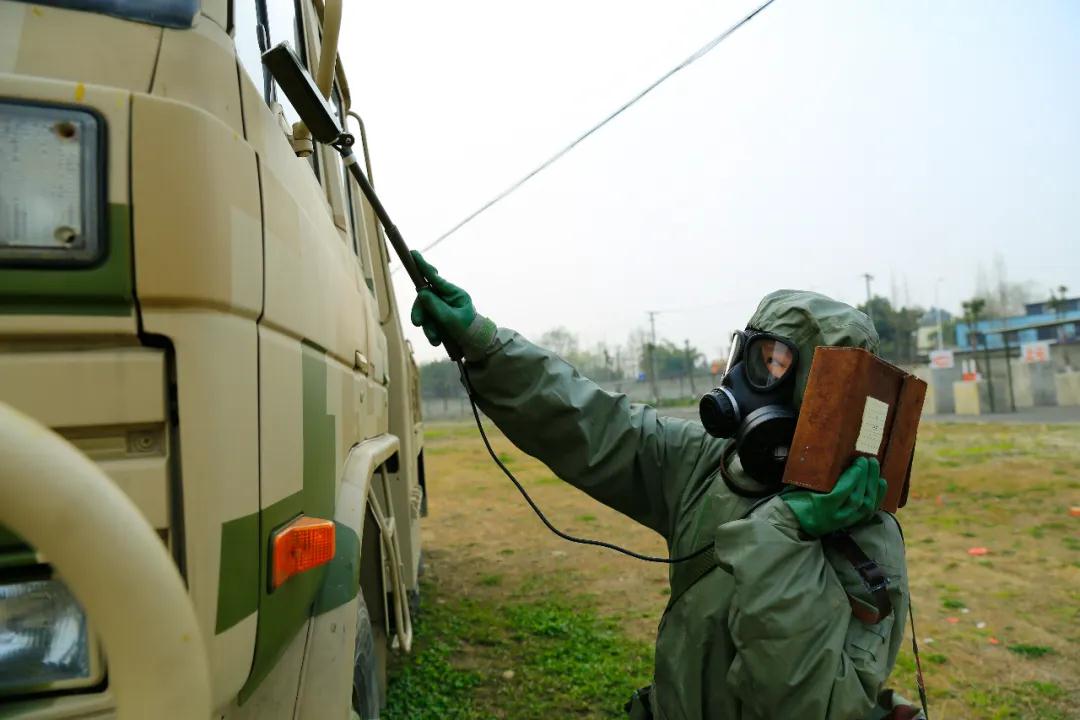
column 698, row 54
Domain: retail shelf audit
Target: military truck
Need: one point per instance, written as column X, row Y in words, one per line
column 211, row 449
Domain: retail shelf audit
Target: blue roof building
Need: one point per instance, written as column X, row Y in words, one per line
column 1041, row 321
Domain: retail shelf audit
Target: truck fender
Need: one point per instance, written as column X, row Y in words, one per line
column 333, row 629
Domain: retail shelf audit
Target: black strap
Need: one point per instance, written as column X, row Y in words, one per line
column 873, row 577
column 877, row 583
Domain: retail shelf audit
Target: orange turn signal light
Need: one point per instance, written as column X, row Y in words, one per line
column 303, row 544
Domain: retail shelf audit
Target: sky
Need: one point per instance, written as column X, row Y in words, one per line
column 825, row 139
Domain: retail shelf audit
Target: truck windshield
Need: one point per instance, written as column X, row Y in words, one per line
column 170, row 13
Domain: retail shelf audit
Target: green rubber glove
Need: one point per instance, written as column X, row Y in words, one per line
column 853, row 499
column 445, row 311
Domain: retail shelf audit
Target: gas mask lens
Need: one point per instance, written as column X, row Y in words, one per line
column 768, row 361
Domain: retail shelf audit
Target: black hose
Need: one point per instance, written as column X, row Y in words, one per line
column 540, row 513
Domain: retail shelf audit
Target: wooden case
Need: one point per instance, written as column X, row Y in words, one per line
column 856, row 404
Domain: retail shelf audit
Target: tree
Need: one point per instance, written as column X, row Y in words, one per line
column 949, row 332
column 1058, row 304
column 896, row 328
column 670, row 359
column 560, row 341
column 597, row 363
column 636, row 348
column 440, row 380
column 907, row 324
column 1057, row 301
column 973, row 312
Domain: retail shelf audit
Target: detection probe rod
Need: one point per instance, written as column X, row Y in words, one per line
column 396, row 241
column 323, row 127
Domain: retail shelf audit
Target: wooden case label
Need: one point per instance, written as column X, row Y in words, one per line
column 872, row 430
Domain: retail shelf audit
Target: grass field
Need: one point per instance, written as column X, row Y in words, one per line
column 519, row 624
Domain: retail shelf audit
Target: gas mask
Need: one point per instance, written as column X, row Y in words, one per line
column 754, row 403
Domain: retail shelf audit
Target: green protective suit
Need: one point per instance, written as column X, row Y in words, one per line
column 766, row 633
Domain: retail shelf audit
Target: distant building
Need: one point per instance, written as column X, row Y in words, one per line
column 1040, row 321
column 1046, row 308
column 926, row 336
column 926, row 339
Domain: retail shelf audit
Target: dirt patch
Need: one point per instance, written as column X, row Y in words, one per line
column 489, row 543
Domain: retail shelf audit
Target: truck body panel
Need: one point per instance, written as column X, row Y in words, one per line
column 235, row 361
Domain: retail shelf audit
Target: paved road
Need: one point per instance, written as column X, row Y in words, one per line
column 1037, row 416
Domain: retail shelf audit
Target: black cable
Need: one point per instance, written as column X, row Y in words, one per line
column 540, row 513
column 919, row 681
column 697, row 55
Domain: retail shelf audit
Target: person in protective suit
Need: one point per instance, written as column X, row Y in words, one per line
column 764, row 625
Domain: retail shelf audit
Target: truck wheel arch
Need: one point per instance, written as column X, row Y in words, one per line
column 358, row 572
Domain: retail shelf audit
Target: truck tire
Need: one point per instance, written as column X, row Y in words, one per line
column 413, row 596
column 369, row 665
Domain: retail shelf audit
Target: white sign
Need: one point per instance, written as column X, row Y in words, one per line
column 942, row 359
column 872, row 430
column 1035, row 352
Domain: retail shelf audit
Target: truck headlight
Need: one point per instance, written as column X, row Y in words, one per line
column 51, row 194
column 44, row 639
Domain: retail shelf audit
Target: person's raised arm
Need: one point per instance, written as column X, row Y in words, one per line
column 623, row 454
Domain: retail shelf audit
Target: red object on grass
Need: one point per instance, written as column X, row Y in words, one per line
column 977, row 551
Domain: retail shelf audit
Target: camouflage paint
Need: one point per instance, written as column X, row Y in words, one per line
column 342, row 582
column 193, row 86
column 238, row 583
column 283, row 611
column 16, row 558
column 238, row 578
column 9, row 541
column 103, row 289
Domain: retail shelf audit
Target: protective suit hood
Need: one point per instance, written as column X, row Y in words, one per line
column 809, row 319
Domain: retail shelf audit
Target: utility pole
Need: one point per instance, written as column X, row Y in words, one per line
column 689, row 366
column 869, row 311
column 652, row 355
column 937, row 306
column 1008, row 369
